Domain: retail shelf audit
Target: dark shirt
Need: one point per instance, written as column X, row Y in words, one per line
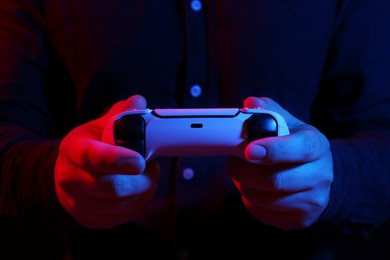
column 327, row 62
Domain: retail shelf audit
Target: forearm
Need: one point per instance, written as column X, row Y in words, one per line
column 27, row 185
column 361, row 187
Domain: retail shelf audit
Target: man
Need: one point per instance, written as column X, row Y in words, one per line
column 68, row 66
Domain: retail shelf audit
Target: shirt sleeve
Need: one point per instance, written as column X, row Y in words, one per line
column 28, row 139
column 354, row 109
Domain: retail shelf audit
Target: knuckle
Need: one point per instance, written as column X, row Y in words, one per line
column 279, row 182
column 308, row 146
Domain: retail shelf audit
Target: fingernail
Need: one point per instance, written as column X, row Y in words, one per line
column 256, row 152
column 133, row 165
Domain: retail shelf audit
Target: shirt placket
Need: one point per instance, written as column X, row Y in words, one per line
column 195, row 83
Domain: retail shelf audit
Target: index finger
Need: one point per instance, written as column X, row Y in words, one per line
column 91, row 154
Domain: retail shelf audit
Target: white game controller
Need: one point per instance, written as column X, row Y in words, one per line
column 192, row 132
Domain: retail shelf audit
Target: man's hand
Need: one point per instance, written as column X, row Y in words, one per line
column 99, row 184
column 286, row 180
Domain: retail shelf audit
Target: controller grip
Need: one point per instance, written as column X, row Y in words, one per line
column 130, row 133
column 152, row 135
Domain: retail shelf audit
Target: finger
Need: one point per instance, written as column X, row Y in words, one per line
column 97, row 205
column 124, row 186
column 304, row 145
column 274, row 201
column 107, row 191
column 133, row 102
column 115, row 186
column 115, row 202
column 101, row 220
column 283, row 220
column 280, row 178
column 95, row 155
column 270, row 104
column 306, row 201
column 137, row 102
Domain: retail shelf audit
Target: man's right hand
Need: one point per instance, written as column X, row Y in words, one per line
column 99, row 184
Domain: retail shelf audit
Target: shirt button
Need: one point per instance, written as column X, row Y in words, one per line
column 196, row 5
column 188, row 174
column 196, row 91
